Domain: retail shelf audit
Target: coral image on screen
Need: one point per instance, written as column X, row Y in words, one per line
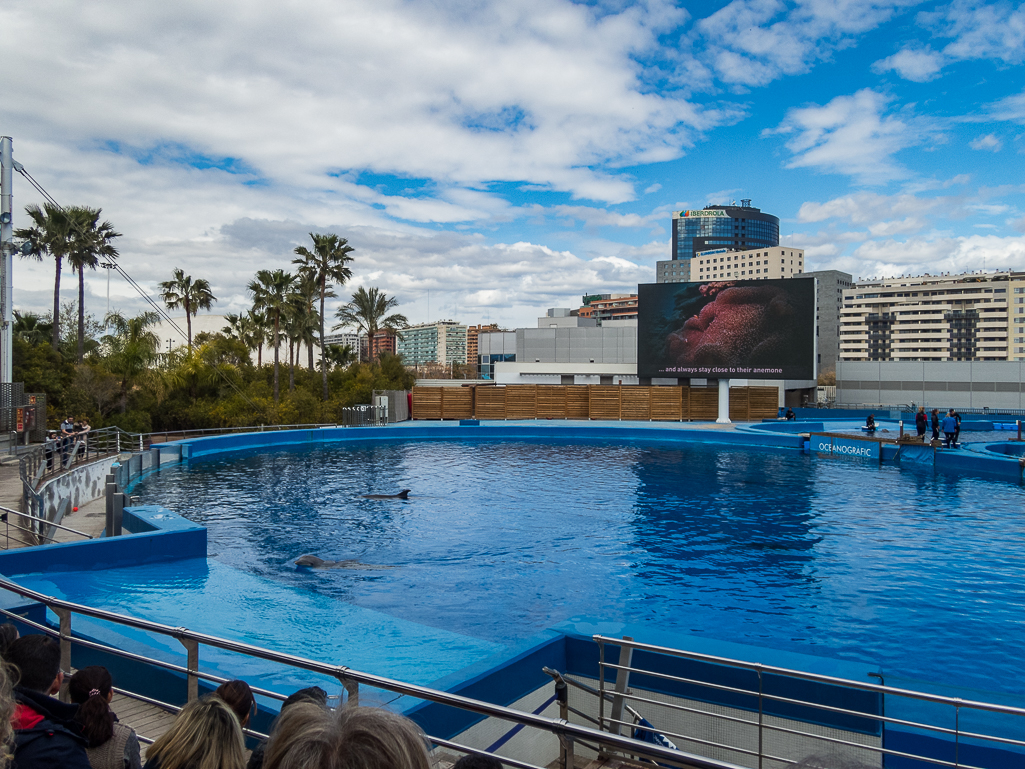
column 757, row 329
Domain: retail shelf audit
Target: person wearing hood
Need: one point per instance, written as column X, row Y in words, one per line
column 45, row 733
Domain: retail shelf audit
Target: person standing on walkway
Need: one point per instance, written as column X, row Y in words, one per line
column 921, row 422
column 935, row 424
column 949, row 429
column 957, row 432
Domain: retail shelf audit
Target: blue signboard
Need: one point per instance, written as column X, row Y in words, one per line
column 845, row 447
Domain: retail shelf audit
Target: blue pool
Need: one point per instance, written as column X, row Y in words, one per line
column 917, row 572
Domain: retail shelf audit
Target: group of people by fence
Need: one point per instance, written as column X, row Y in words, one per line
column 949, row 424
column 39, row 731
column 62, row 443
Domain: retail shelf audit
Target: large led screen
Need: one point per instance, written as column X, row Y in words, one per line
column 738, row 329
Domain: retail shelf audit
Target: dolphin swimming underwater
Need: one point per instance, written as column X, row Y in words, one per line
column 315, row 562
column 404, row 494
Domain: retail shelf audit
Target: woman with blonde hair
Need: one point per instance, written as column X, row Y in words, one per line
column 308, row 736
column 205, row 735
column 6, row 712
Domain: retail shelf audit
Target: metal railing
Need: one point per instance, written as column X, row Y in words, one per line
column 145, row 440
column 568, row 734
column 37, row 535
column 364, row 416
column 758, row 724
column 55, row 457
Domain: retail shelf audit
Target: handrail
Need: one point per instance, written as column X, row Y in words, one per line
column 558, row 727
column 845, row 682
column 8, row 511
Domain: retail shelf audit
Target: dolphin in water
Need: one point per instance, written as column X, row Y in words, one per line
column 404, row 494
column 315, row 562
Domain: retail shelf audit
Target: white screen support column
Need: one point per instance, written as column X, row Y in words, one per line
column 724, row 402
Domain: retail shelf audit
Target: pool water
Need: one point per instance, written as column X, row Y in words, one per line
column 920, row 573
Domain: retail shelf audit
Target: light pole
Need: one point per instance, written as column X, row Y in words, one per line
column 6, row 256
column 108, row 266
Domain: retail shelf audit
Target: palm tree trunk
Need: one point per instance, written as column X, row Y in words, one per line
column 309, row 354
column 259, row 355
column 291, row 365
column 323, row 364
column 56, row 334
column 188, row 322
column 81, row 314
column 276, row 344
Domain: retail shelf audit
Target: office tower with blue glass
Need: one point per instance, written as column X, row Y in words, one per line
column 720, row 229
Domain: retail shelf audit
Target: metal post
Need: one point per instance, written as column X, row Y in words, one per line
column 117, row 438
column 65, row 643
column 626, row 654
column 192, row 648
column 1019, row 429
column 110, row 491
column 565, row 744
column 901, row 423
column 761, row 715
column 6, row 255
column 118, row 516
column 724, row 402
column 140, row 442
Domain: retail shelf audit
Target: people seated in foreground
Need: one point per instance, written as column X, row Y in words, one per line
column 348, row 738
column 313, row 694
column 8, row 635
column 6, row 713
column 111, row 745
column 45, row 732
column 477, row 761
column 239, row 697
column 205, row 735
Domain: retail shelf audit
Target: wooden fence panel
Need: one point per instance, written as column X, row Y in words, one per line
column 427, row 403
column 603, row 401
column 636, row 403
column 739, row 404
column 551, row 402
column 489, row 402
column 456, row 402
column 704, row 404
column 685, row 397
column 763, row 403
column 521, row 402
column 577, row 402
column 667, row 404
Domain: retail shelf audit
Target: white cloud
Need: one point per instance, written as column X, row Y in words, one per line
column 866, row 208
column 988, row 142
column 850, row 135
column 980, row 30
column 919, row 65
column 511, row 90
column 653, row 188
column 1010, row 108
column 752, row 42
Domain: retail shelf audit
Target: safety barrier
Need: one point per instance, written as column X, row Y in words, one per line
column 607, row 402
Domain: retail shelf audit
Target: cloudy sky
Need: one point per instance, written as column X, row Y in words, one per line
column 497, row 157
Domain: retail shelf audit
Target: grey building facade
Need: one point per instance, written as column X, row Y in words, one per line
column 934, row 384
column 829, row 288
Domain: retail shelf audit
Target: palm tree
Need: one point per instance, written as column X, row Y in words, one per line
column 325, row 265
column 182, row 292
column 272, row 292
column 130, row 348
column 368, row 312
column 30, row 328
column 48, row 236
column 90, row 241
column 306, row 321
column 258, row 326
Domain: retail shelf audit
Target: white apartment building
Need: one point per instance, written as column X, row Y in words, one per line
column 973, row 316
column 441, row 342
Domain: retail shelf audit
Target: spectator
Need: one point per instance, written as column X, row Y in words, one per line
column 6, row 715
column 313, row 694
column 8, row 635
column 949, row 429
column 51, row 447
column 239, row 697
column 110, row 745
column 45, row 732
column 350, row 738
column 476, row 761
column 205, row 734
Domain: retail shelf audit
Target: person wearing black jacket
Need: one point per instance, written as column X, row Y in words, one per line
column 45, row 733
column 935, row 424
column 921, row 422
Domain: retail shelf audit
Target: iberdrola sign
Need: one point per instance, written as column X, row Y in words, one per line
column 703, row 212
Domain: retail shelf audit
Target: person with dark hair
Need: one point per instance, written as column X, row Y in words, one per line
column 477, row 761
column 111, row 745
column 935, row 424
column 870, row 423
column 921, row 422
column 45, row 732
column 957, row 432
column 790, row 415
column 949, row 430
column 313, row 694
column 239, row 697
column 8, row 635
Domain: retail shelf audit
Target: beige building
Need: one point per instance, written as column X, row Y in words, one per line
column 969, row 317
column 753, row 264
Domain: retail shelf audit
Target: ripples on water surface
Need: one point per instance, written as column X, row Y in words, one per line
column 918, row 572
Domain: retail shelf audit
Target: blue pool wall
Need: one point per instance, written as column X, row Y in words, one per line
column 158, row 534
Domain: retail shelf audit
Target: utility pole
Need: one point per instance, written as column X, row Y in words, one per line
column 108, row 266
column 6, row 257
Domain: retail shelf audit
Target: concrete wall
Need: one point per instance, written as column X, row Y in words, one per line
column 937, row 384
column 603, row 344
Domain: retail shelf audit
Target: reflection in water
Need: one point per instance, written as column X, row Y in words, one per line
column 838, row 557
